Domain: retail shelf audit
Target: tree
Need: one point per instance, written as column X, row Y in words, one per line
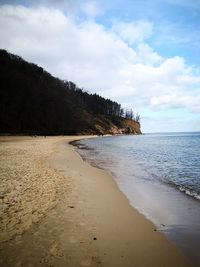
column 137, row 118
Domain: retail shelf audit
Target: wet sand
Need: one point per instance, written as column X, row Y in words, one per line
column 60, row 211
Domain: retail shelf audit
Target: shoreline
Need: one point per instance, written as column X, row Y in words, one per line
column 92, row 224
column 174, row 214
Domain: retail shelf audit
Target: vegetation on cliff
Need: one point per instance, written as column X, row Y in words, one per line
column 34, row 102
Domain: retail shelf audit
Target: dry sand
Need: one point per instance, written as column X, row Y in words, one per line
column 68, row 213
column 27, row 186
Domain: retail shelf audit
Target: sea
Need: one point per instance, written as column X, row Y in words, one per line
column 160, row 176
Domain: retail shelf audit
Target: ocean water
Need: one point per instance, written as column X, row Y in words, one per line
column 160, row 176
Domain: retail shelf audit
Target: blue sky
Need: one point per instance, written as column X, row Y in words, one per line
column 143, row 54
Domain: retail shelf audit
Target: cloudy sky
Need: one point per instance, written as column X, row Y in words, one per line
column 145, row 54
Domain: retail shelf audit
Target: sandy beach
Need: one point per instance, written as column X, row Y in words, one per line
column 57, row 210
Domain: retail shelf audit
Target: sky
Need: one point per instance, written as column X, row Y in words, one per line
column 144, row 54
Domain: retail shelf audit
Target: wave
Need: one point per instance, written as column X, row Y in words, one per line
column 189, row 192
column 184, row 190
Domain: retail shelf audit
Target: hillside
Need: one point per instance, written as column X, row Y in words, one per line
column 34, row 102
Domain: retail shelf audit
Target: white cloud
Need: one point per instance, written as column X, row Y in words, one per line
column 99, row 59
column 133, row 32
column 147, row 55
column 177, row 100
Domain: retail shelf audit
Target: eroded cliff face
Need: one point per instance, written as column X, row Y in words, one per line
column 105, row 125
column 131, row 127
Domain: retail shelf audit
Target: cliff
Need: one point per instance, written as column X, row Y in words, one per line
column 103, row 125
column 32, row 101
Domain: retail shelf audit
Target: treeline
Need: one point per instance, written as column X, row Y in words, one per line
column 100, row 105
column 95, row 103
column 33, row 101
column 129, row 114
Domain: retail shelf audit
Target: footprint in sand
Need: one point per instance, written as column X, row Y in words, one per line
column 55, row 251
column 86, row 262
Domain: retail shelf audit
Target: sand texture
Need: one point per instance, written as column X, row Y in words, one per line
column 87, row 221
column 27, row 186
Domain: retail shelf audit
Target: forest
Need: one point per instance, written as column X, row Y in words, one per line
column 32, row 101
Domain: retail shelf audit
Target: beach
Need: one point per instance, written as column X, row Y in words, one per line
column 57, row 210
